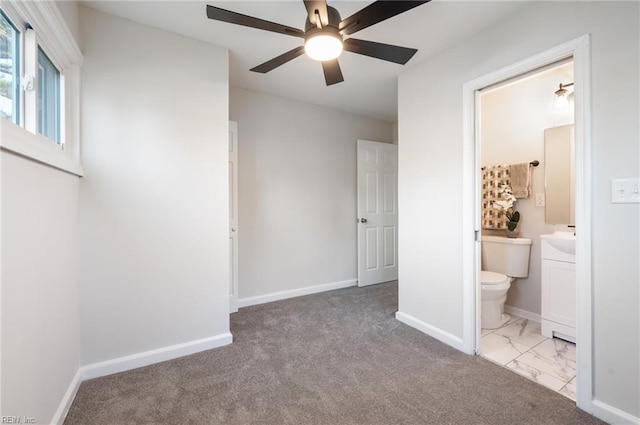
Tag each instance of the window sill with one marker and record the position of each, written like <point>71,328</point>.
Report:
<point>17,140</point>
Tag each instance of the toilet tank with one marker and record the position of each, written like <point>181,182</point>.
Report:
<point>509,256</point>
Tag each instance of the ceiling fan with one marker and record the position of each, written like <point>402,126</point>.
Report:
<point>324,32</point>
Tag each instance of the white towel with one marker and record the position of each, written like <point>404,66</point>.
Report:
<point>520,179</point>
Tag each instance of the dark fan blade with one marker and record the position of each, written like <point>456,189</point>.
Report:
<point>223,15</point>
<point>321,7</point>
<point>332,72</point>
<point>386,52</point>
<point>280,60</point>
<point>374,13</point>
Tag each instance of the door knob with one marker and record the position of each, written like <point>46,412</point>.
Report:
<point>233,229</point>
<point>363,220</point>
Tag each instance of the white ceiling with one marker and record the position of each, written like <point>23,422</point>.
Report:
<point>370,86</point>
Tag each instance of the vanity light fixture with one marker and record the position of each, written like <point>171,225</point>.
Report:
<point>562,97</point>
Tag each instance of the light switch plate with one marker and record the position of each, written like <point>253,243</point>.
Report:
<point>540,202</point>
<point>625,191</point>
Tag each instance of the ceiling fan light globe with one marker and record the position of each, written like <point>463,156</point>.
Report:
<point>323,47</point>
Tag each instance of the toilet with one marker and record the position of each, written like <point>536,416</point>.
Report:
<point>503,260</point>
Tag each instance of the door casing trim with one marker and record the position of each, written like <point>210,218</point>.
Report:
<point>580,50</point>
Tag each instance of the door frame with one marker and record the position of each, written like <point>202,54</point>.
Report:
<point>233,224</point>
<point>580,50</point>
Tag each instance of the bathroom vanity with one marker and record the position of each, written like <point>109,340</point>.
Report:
<point>558,316</point>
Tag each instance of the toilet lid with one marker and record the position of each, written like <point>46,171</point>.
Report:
<point>492,278</point>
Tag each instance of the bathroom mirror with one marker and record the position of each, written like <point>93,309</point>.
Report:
<point>559,175</point>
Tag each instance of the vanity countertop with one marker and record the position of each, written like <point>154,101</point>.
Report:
<point>560,246</point>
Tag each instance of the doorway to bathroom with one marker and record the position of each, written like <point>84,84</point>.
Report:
<point>506,115</point>
<point>520,201</point>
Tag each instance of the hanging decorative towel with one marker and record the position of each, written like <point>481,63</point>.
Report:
<point>492,177</point>
<point>520,179</point>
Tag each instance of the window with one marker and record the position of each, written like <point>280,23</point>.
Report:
<point>9,70</point>
<point>39,85</point>
<point>48,98</point>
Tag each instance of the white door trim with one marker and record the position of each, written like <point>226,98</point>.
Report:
<point>233,222</point>
<point>579,49</point>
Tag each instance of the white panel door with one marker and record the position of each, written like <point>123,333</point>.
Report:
<point>233,216</point>
<point>377,212</point>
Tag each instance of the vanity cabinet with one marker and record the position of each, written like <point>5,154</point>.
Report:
<point>558,316</point>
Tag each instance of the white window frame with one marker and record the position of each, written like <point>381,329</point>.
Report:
<point>34,43</point>
<point>37,22</point>
<point>17,23</point>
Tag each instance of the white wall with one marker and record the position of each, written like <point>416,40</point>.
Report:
<point>71,14</point>
<point>513,121</point>
<point>40,317</point>
<point>153,217</point>
<point>297,191</point>
<point>430,179</point>
<point>39,286</point>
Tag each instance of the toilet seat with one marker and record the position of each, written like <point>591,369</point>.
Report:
<point>494,281</point>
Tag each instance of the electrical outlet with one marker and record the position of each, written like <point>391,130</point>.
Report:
<point>625,191</point>
<point>540,201</point>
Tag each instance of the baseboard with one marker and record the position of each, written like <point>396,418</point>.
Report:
<point>147,358</point>
<point>69,396</point>
<point>612,414</point>
<point>283,295</point>
<point>432,331</point>
<point>522,313</point>
<point>134,361</point>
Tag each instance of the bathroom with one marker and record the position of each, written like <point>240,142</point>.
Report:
<point>518,118</point>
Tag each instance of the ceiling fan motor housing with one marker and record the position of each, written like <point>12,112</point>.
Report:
<point>311,29</point>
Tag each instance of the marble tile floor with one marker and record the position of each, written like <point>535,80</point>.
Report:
<point>519,346</point>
